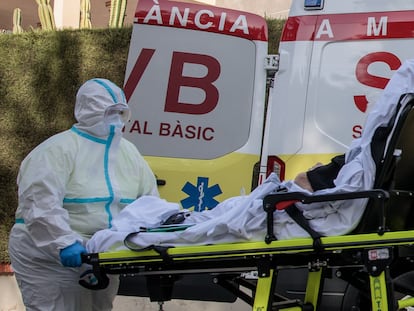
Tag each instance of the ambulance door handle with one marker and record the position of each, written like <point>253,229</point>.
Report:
<point>161,182</point>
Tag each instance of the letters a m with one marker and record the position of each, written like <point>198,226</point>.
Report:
<point>377,29</point>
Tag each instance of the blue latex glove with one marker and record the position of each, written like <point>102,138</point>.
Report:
<point>71,256</point>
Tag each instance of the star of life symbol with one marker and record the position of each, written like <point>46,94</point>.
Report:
<point>200,196</point>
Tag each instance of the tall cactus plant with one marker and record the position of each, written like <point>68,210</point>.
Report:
<point>117,13</point>
<point>85,16</point>
<point>46,15</point>
<point>17,21</point>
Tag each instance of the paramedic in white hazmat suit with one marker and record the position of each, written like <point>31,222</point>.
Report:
<point>71,186</point>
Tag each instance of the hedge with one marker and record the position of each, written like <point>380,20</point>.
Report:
<point>40,73</point>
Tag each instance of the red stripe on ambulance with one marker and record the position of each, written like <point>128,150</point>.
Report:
<point>201,18</point>
<point>355,26</point>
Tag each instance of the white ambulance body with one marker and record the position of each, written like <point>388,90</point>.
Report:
<point>196,81</point>
<point>335,58</point>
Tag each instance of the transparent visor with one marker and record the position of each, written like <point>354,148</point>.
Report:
<point>118,113</point>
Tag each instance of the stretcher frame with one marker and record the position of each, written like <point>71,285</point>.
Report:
<point>367,260</point>
<point>354,251</point>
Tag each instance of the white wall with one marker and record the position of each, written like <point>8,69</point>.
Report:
<point>62,18</point>
<point>268,8</point>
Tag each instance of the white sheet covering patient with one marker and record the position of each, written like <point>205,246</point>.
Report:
<point>242,218</point>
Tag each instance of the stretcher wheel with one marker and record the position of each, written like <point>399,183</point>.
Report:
<point>359,300</point>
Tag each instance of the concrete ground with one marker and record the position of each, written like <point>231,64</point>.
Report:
<point>143,304</point>
<point>11,300</point>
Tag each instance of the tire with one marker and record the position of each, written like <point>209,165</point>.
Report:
<point>356,300</point>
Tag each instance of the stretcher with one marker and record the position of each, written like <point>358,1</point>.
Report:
<point>377,258</point>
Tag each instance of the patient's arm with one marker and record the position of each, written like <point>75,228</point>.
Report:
<point>302,181</point>
<point>320,176</point>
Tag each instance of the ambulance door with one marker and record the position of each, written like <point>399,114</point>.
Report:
<point>354,56</point>
<point>335,59</point>
<point>195,82</point>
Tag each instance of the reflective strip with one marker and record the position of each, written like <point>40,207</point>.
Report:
<point>95,200</point>
<point>127,201</point>
<point>109,89</point>
<point>87,136</point>
<point>107,178</point>
<point>85,200</point>
<point>19,221</point>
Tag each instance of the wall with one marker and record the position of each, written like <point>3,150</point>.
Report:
<point>62,19</point>
<point>268,8</point>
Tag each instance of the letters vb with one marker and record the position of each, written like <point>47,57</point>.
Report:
<point>177,80</point>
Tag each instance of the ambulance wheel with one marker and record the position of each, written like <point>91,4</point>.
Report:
<point>404,286</point>
<point>357,300</point>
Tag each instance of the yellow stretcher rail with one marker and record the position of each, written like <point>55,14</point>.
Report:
<point>376,252</point>
<point>254,249</point>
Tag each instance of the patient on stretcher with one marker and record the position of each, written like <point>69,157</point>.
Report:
<point>242,218</point>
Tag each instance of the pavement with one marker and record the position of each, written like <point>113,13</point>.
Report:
<point>11,300</point>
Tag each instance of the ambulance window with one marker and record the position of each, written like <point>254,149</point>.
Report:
<point>313,4</point>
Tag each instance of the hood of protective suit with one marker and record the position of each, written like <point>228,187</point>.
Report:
<point>92,100</point>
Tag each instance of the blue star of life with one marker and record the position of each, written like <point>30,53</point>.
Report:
<point>200,196</point>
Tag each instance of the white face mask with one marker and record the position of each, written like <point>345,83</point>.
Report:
<point>116,120</point>
<point>117,115</point>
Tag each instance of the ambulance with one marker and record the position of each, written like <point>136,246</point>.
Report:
<point>214,114</point>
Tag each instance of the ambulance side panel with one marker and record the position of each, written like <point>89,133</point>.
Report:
<point>195,82</point>
<point>334,63</point>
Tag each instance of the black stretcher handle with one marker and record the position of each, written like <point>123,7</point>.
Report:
<point>99,273</point>
<point>270,201</point>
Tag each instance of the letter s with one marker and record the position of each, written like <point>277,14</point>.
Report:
<point>364,77</point>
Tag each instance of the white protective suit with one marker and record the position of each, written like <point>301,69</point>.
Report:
<point>242,218</point>
<point>69,187</point>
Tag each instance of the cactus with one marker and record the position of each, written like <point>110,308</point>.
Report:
<point>117,13</point>
<point>85,17</point>
<point>17,21</point>
<point>46,15</point>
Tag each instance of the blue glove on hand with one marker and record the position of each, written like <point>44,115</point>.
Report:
<point>71,256</point>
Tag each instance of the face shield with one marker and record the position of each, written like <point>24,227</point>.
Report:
<point>117,115</point>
